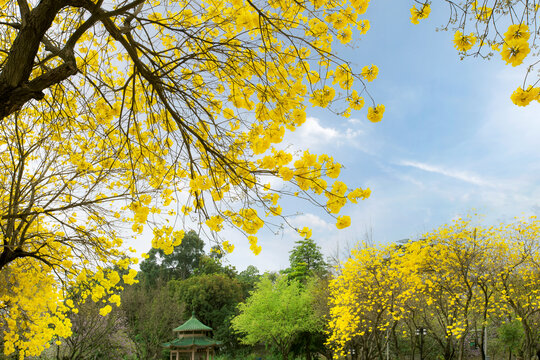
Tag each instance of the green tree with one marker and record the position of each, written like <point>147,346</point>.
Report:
<point>209,264</point>
<point>180,264</point>
<point>510,337</point>
<point>248,278</point>
<point>306,265</point>
<point>151,315</point>
<point>275,313</point>
<point>306,260</point>
<point>213,298</point>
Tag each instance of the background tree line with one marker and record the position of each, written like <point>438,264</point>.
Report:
<point>473,289</point>
<point>171,287</point>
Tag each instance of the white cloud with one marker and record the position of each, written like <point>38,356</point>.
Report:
<point>314,136</point>
<point>312,221</point>
<point>453,173</point>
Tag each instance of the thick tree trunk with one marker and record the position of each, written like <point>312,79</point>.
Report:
<point>15,87</point>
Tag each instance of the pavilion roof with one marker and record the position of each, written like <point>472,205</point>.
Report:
<point>190,341</point>
<point>193,324</point>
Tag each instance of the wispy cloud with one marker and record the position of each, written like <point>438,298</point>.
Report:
<point>453,173</point>
<point>312,221</point>
<point>314,135</point>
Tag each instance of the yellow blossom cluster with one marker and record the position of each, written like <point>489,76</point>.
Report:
<point>169,111</point>
<point>452,278</point>
<point>505,27</point>
<point>483,13</point>
<point>421,13</point>
<point>464,42</point>
<point>522,97</point>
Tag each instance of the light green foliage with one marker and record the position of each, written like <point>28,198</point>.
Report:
<point>275,313</point>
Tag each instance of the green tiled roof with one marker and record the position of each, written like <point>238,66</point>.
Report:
<point>193,325</point>
<point>190,341</point>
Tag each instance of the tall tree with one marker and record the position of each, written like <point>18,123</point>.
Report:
<point>180,264</point>
<point>151,314</point>
<point>213,298</point>
<point>119,116</point>
<point>306,260</point>
<point>275,314</point>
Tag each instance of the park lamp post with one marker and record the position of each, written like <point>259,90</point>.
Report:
<point>421,331</point>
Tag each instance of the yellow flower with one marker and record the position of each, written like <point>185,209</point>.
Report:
<point>483,13</point>
<point>375,114</point>
<point>228,247</point>
<point>514,52</point>
<point>322,97</point>
<point>370,72</point>
<point>517,32</point>
<point>363,26</point>
<point>305,233</point>
<point>418,14</point>
<point>358,193</point>
<point>343,222</point>
<point>105,310</point>
<point>345,35</point>
<point>333,170</point>
<point>522,97</point>
<point>355,102</point>
<point>464,42</point>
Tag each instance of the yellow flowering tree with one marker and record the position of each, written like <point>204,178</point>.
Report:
<point>124,117</point>
<point>485,28</point>
<point>455,281</point>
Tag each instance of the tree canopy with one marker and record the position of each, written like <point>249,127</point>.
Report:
<point>456,280</point>
<point>275,314</point>
<point>106,133</point>
<point>305,260</point>
<point>179,264</point>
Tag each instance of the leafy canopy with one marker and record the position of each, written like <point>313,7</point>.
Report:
<point>120,117</point>
<point>453,278</point>
<point>275,313</point>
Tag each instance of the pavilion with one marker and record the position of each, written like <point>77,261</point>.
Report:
<point>193,342</point>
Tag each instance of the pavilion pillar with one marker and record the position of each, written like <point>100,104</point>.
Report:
<point>193,354</point>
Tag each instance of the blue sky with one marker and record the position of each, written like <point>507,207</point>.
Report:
<point>451,141</point>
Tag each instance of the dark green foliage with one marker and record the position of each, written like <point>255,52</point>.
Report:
<point>179,265</point>
<point>151,314</point>
<point>306,260</point>
<point>248,278</point>
<point>510,336</point>
<point>214,298</point>
<point>212,265</point>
